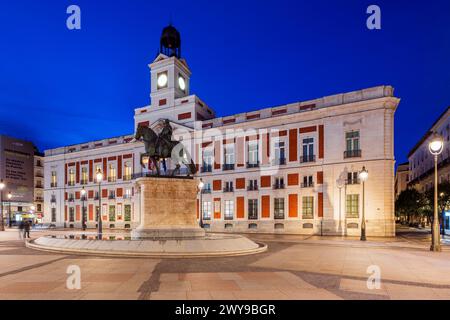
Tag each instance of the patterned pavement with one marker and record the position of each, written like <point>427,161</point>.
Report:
<point>294,267</point>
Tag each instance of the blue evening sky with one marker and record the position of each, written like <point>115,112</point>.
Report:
<point>60,87</point>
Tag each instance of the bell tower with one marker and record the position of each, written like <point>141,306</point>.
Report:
<point>170,74</point>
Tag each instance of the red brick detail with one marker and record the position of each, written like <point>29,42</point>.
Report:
<point>91,212</point>
<point>265,206</point>
<point>90,194</point>
<point>308,107</point>
<point>77,213</point>
<point>240,203</point>
<point>119,192</point>
<point>104,193</point>
<point>77,195</point>
<point>253,137</point>
<point>207,125</point>
<point>105,168</point>
<point>217,154</point>
<point>97,160</point>
<point>293,205</point>
<point>265,181</point>
<point>112,158</point>
<point>228,121</point>
<point>183,116</point>
<point>293,145</point>
<point>162,102</point>
<point>217,185</point>
<point>127,156</point>
<point>321,142</point>
<point>293,179</point>
<point>253,116</point>
<point>119,167</point>
<point>320,204</point>
<point>216,213</point>
<point>278,112</point>
<point>308,129</point>
<point>65,174</point>
<point>240,183</point>
<point>319,177</point>
<point>65,213</point>
<point>240,151</point>
<point>66,196</point>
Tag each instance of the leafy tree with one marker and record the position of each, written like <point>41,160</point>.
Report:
<point>409,204</point>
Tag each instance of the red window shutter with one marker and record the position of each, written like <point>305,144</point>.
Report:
<point>293,205</point>
<point>293,145</point>
<point>240,207</point>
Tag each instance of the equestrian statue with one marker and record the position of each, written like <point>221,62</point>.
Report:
<point>161,147</point>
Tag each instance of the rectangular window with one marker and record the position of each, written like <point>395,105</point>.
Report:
<point>352,140</point>
<point>112,173</point>
<point>279,183</point>
<point>352,178</point>
<point>71,214</point>
<point>112,194</point>
<point>112,213</point>
<point>278,208</point>
<point>308,182</point>
<point>308,150</point>
<point>98,168</point>
<point>253,209</point>
<point>127,209</point>
<point>308,207</point>
<point>119,211</point>
<point>84,175</point>
<point>229,210</point>
<point>252,184</point>
<point>54,180</point>
<point>71,177</point>
<point>352,205</point>
<point>229,154</point>
<point>228,186</point>
<point>127,171</point>
<point>207,210</point>
<point>53,214</point>
<point>280,157</point>
<point>252,153</point>
<point>127,194</point>
<point>207,160</point>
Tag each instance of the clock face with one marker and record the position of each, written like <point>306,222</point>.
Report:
<point>181,83</point>
<point>162,80</point>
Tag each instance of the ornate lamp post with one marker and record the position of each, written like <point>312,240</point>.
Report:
<point>83,215</point>
<point>2,223</point>
<point>9,209</point>
<point>200,188</point>
<point>99,177</point>
<point>363,176</point>
<point>436,146</point>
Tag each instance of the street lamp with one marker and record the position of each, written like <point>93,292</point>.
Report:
<point>436,146</point>
<point>99,177</point>
<point>2,223</point>
<point>83,216</point>
<point>9,210</point>
<point>200,188</point>
<point>363,176</point>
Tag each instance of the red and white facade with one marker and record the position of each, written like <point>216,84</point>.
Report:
<point>286,169</point>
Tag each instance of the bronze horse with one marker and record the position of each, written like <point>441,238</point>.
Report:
<point>157,149</point>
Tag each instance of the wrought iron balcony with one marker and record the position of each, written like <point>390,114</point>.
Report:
<point>228,189</point>
<point>83,181</point>
<point>71,183</point>
<point>307,184</point>
<point>352,154</point>
<point>112,196</point>
<point>206,168</point>
<point>127,177</point>
<point>278,186</point>
<point>112,179</point>
<point>253,164</point>
<point>307,158</point>
<point>71,199</point>
<point>206,191</point>
<point>228,166</point>
<point>279,162</point>
<point>352,181</point>
<point>252,187</point>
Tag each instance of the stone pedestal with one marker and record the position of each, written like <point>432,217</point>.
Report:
<point>168,208</point>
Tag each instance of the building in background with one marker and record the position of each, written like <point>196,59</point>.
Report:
<point>401,178</point>
<point>17,163</point>
<point>38,208</point>
<point>421,162</point>
<point>287,169</point>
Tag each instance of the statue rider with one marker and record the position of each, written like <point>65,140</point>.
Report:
<point>164,141</point>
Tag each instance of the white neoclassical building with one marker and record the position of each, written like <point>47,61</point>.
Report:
<point>286,169</point>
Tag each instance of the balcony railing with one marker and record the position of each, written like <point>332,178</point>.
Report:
<point>83,181</point>
<point>206,168</point>
<point>112,179</point>
<point>307,184</point>
<point>308,158</point>
<point>278,186</point>
<point>127,196</point>
<point>253,164</point>
<point>352,181</point>
<point>112,196</point>
<point>127,177</point>
<point>279,162</point>
<point>252,188</point>
<point>228,166</point>
<point>53,185</point>
<point>352,154</point>
<point>71,199</point>
<point>206,191</point>
<point>228,189</point>
<point>71,183</point>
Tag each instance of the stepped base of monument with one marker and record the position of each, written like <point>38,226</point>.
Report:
<point>211,245</point>
<point>168,233</point>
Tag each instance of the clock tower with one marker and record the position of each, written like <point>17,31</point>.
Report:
<point>169,72</point>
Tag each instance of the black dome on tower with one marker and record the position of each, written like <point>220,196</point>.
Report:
<point>170,42</point>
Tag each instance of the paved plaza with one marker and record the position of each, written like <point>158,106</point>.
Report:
<point>294,267</point>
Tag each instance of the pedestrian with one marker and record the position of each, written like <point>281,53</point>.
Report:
<point>21,227</point>
<point>27,227</point>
